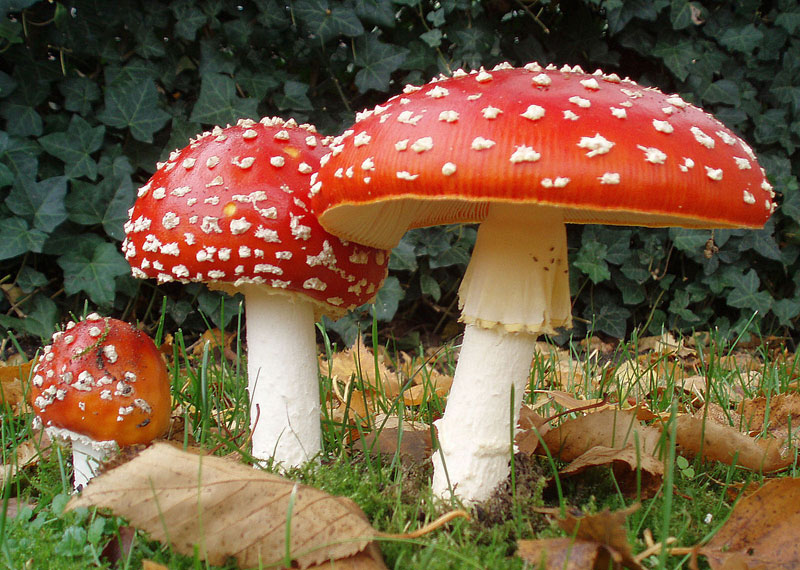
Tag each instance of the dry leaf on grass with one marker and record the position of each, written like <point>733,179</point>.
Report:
<point>637,474</point>
<point>12,395</point>
<point>150,565</point>
<point>726,444</point>
<point>227,509</point>
<point>360,362</point>
<point>595,541</point>
<point>407,439</point>
<point>781,412</point>
<point>26,454</point>
<point>761,531</point>
<point>607,428</point>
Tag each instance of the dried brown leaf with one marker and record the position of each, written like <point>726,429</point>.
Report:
<point>228,510</point>
<point>637,474</point>
<point>150,565</point>
<point>595,543</point>
<point>780,413</point>
<point>411,440</point>
<point>698,436</point>
<point>26,454</point>
<point>607,428</point>
<point>761,531</point>
<point>360,362</point>
<point>12,394</point>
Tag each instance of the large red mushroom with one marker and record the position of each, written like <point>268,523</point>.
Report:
<point>100,384</point>
<point>524,152</point>
<point>231,210</point>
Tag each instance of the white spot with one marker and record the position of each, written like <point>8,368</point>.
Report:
<point>243,163</point>
<point>368,164</point>
<point>305,168</point>
<point>590,84</point>
<point>437,92</point>
<point>668,110</point>
<point>239,226</point>
<point>267,268</point>
<point>282,135</point>
<point>141,224</point>
<point>542,80</point>
<point>189,163</point>
<point>525,154</point>
<point>181,191</point>
<point>408,118</point>
<point>714,173</point>
<point>216,182</point>
<point>533,112</point>
<point>151,243</point>
<point>490,112</point>
<point>742,163</point>
<point>749,198</point>
<point>268,235</point>
<point>687,164</point>
<point>359,257</point>
<point>159,193</point>
<point>170,249</point>
<point>299,231</point>
<point>283,255</point>
<point>663,126</point>
<point>224,254</point>
<point>597,145</point>
<point>558,182</point>
<point>361,139</point>
<point>448,116</point>
<point>422,145</point>
<point>448,169</point>
<point>277,161</point>
<point>401,145</point>
<point>652,154</point>
<point>619,112</point>
<point>314,283</point>
<point>405,175</point>
<point>212,161</point>
<point>483,76</point>
<point>474,97</point>
<point>210,224</point>
<point>180,271</point>
<point>580,102</point>
<point>609,178</point>
<point>726,138</point>
<point>244,251</point>
<point>325,257</point>
<point>677,101</point>
<point>480,143</point>
<point>702,137</point>
<point>311,141</point>
<point>570,116</point>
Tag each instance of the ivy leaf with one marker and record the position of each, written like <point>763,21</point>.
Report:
<point>745,294</point>
<point>607,316</point>
<point>786,310</point>
<point>432,37</point>
<point>134,105</point>
<point>722,91</point>
<point>39,202</point>
<point>74,147</point>
<point>789,20</point>
<point>41,317</point>
<point>387,299</point>
<point>744,39</point>
<point>327,22</point>
<point>93,272</point>
<point>103,204</point>
<point>403,256</point>
<point>429,286</point>
<point>684,14</point>
<point>188,19</point>
<point>294,97</point>
<point>379,12</point>
<point>16,238</point>
<point>377,61</point>
<point>591,261</point>
<point>218,103</point>
<point>79,94</point>
<point>678,56</point>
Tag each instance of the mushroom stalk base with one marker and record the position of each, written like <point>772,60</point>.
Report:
<point>87,457</point>
<point>515,288</point>
<point>283,378</point>
<point>475,433</point>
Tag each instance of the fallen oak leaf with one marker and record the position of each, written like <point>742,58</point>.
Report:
<point>229,509</point>
<point>726,444</point>
<point>636,474</point>
<point>761,531</point>
<point>12,394</point>
<point>595,542</point>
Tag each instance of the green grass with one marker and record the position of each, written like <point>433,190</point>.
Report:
<point>394,492</point>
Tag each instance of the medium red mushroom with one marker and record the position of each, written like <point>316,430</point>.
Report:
<point>101,383</point>
<point>231,210</point>
<point>524,152</point>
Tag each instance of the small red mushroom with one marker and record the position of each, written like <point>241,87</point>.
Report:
<point>524,152</point>
<point>231,210</point>
<point>101,383</point>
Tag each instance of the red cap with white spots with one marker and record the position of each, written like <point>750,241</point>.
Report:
<point>231,208</point>
<point>104,380</point>
<point>600,148</point>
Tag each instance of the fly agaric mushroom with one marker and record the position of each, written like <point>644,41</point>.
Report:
<point>524,152</point>
<point>101,383</point>
<point>230,210</point>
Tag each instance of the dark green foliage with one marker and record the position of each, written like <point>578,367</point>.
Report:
<point>94,93</point>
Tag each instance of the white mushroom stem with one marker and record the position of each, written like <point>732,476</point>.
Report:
<point>282,377</point>
<point>515,288</point>
<point>87,456</point>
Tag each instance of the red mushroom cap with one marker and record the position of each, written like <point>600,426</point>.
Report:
<point>103,379</point>
<point>602,148</point>
<point>231,208</point>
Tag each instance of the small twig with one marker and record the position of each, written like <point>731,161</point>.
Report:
<point>655,548</point>
<point>430,527</point>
